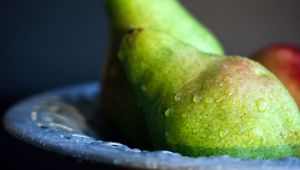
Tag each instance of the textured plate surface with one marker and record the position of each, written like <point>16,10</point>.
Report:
<point>64,120</point>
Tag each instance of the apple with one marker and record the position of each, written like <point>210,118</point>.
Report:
<point>284,61</point>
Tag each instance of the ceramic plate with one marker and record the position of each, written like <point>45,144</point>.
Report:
<point>68,121</point>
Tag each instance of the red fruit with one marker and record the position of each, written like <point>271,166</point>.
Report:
<point>284,61</point>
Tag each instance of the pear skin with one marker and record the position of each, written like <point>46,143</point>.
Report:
<point>201,105</point>
<point>166,16</point>
<point>118,101</point>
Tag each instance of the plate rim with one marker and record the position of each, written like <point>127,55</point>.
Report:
<point>17,123</point>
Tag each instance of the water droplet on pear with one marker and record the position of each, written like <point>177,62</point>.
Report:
<point>208,100</point>
<point>168,112</point>
<point>224,132</point>
<point>177,97</point>
<point>261,105</point>
<point>196,98</point>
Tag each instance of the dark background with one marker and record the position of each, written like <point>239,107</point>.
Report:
<point>52,43</point>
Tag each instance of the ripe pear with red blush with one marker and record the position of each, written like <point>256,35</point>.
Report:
<point>284,61</point>
<point>201,104</point>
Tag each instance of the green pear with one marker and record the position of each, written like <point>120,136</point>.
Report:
<point>118,101</point>
<point>199,104</point>
<point>167,16</point>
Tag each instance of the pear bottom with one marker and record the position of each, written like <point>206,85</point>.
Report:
<point>275,152</point>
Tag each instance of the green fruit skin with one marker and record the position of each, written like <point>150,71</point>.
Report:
<point>198,104</point>
<point>118,101</point>
<point>167,16</point>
